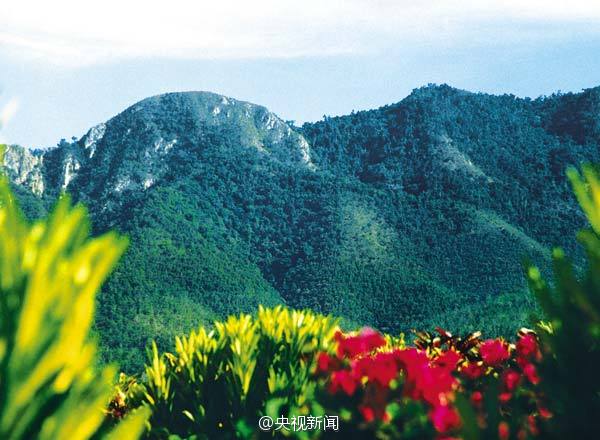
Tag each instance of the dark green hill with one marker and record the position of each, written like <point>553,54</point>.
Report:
<point>409,215</point>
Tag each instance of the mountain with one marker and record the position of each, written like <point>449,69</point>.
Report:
<point>410,215</point>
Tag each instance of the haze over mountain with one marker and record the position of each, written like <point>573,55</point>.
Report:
<point>407,215</point>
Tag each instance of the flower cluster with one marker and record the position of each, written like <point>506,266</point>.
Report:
<point>511,371</point>
<point>374,377</point>
<point>365,369</point>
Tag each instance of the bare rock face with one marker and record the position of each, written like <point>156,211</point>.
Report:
<point>25,168</point>
<point>91,138</point>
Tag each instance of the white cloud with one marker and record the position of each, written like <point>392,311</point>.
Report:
<point>75,32</point>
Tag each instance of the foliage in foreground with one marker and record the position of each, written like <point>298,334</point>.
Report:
<point>50,273</point>
<point>375,385</point>
<point>572,338</point>
<point>218,383</point>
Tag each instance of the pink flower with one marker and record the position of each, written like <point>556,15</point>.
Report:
<point>363,343</point>
<point>494,352</point>
<point>530,373</point>
<point>527,345</point>
<point>511,379</point>
<point>444,418</point>
<point>448,360</point>
<point>342,380</point>
<point>472,370</point>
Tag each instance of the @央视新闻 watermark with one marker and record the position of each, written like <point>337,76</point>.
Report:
<point>299,423</point>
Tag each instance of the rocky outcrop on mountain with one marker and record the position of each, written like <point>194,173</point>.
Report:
<point>25,168</point>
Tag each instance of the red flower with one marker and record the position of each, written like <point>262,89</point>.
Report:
<point>367,412</point>
<point>363,343</point>
<point>527,345</point>
<point>374,403</point>
<point>435,384</point>
<point>412,362</point>
<point>511,379</point>
<point>494,352</point>
<point>411,359</point>
<point>476,398</point>
<point>504,397</point>
<point>382,368</point>
<point>326,363</point>
<point>448,359</point>
<point>522,362</point>
<point>530,373</point>
<point>503,431</point>
<point>533,428</point>
<point>545,413</point>
<point>424,381</point>
<point>472,370</point>
<point>342,380</point>
<point>374,410</point>
<point>444,418</point>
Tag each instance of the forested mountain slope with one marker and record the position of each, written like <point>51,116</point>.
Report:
<point>412,214</point>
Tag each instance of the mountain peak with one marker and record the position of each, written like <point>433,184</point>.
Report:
<point>199,98</point>
<point>138,147</point>
<point>185,118</point>
<point>438,90</point>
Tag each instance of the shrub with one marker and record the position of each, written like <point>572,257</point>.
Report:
<point>297,364</point>
<point>388,392</point>
<point>217,384</point>
<point>571,336</point>
<point>50,273</point>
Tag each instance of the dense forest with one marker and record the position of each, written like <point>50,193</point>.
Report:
<point>410,215</point>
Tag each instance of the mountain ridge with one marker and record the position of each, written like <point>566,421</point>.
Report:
<point>397,217</point>
<point>27,158</point>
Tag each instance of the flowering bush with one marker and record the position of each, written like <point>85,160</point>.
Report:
<point>418,392</point>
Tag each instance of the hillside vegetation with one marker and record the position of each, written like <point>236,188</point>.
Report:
<point>411,215</point>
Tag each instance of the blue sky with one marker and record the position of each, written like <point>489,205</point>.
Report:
<point>67,68</point>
